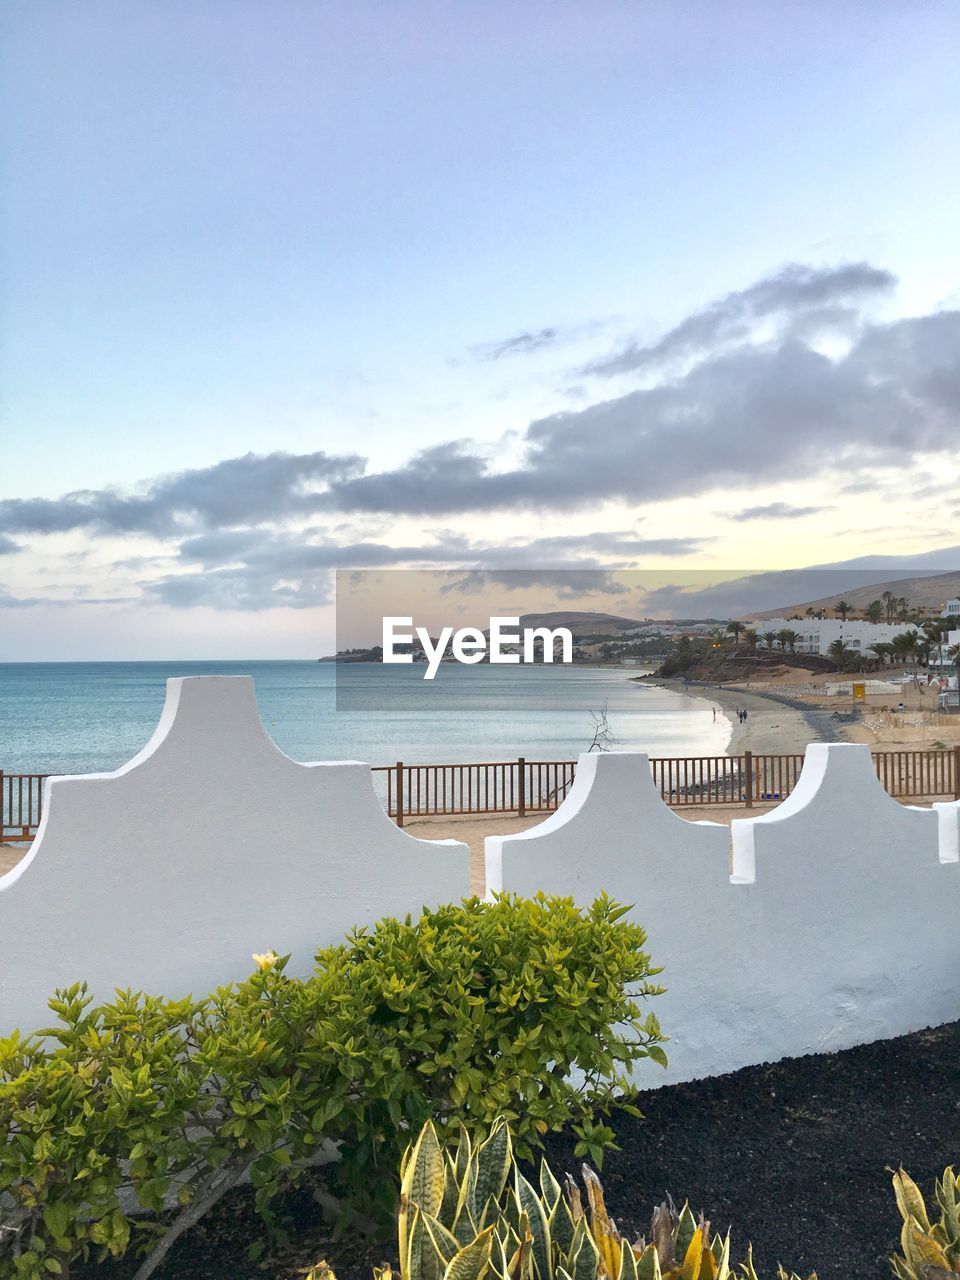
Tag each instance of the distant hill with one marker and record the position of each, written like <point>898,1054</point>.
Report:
<point>928,593</point>
<point>583,624</point>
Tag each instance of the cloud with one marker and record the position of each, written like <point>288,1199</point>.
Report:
<point>810,296</point>
<point>245,490</point>
<point>776,511</point>
<point>521,344</point>
<point>8,546</point>
<point>751,407</point>
<point>760,414</point>
<point>252,571</point>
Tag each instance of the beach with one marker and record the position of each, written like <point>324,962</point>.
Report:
<point>793,707</point>
<point>775,724</point>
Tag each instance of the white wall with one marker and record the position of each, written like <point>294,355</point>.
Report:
<point>830,921</point>
<point>815,635</point>
<point>837,926</point>
<point>206,847</point>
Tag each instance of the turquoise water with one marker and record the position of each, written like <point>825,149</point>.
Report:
<point>81,717</point>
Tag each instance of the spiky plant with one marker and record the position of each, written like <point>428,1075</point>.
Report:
<point>930,1250</point>
<point>472,1215</point>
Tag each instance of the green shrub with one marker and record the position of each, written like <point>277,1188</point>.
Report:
<point>464,1013</point>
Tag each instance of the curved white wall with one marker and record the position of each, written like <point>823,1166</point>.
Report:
<point>206,847</point>
<point>838,924</point>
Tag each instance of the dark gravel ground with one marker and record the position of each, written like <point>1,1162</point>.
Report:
<point>792,1156</point>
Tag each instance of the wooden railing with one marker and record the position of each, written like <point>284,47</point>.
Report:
<point>21,805</point>
<point>524,786</point>
<point>535,786</point>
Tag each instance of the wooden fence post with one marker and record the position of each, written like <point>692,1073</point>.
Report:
<point>956,773</point>
<point>522,787</point>
<point>399,793</point>
<point>748,779</point>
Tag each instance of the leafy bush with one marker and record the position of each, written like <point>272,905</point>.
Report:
<point>471,1213</point>
<point>466,1012</point>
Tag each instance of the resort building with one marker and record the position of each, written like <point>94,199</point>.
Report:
<point>950,609</point>
<point>816,635</point>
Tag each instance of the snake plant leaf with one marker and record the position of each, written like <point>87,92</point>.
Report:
<point>628,1264</point>
<point>663,1229</point>
<point>686,1229</point>
<point>420,1260</point>
<point>922,1250</point>
<point>473,1261</point>
<point>445,1243</point>
<point>493,1159</point>
<point>463,1155</point>
<point>690,1267</point>
<point>424,1176</point>
<point>605,1233</point>
<point>561,1227</point>
<point>648,1264</point>
<point>909,1200</point>
<point>722,1256</point>
<point>584,1257</point>
<point>532,1206</point>
<point>549,1187</point>
<point>465,1228</point>
<point>520,1266</point>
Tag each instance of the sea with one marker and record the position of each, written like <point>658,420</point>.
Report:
<point>90,717</point>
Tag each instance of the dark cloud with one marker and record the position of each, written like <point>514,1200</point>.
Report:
<point>10,601</point>
<point>248,490</point>
<point>809,297</point>
<point>568,584</point>
<point>8,546</point>
<point>759,414</point>
<point>776,511</point>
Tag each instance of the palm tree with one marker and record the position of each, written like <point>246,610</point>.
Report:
<point>889,605</point>
<point>769,636</point>
<point>837,653</point>
<point>882,650</point>
<point>751,637</point>
<point>905,645</point>
<point>843,607</point>
<point>903,609</point>
<point>874,611</point>
<point>735,628</point>
<point>954,653</point>
<point>787,638</point>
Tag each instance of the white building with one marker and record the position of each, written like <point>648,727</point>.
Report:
<point>950,609</point>
<point>940,657</point>
<point>816,635</point>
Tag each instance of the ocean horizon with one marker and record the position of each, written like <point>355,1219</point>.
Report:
<point>90,717</point>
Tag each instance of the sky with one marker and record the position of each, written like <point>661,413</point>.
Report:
<point>288,287</point>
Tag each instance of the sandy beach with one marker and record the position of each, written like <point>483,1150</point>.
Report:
<point>775,725</point>
<point>793,707</point>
